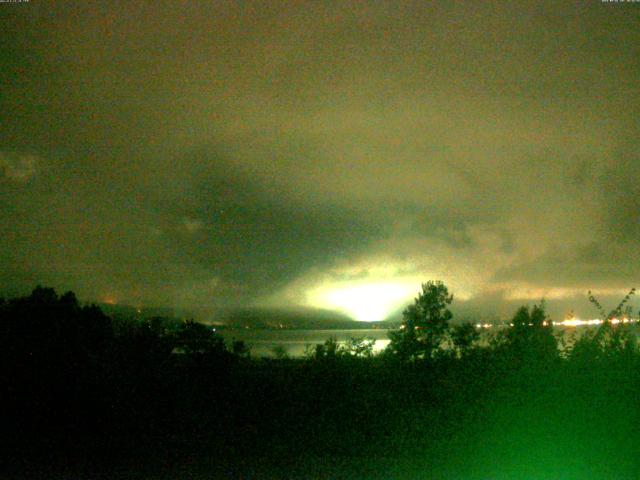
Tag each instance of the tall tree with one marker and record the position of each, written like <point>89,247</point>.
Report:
<point>424,323</point>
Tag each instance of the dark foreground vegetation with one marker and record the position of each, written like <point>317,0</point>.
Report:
<point>86,397</point>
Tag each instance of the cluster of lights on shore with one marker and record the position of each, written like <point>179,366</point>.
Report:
<point>569,322</point>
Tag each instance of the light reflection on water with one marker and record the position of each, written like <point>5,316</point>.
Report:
<point>297,342</point>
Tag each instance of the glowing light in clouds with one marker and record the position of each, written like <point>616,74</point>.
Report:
<point>368,302</point>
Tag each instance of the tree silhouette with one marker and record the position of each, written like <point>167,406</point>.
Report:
<point>326,351</point>
<point>463,338</point>
<point>617,311</point>
<point>530,337</point>
<point>54,356</point>
<point>196,338</point>
<point>424,323</point>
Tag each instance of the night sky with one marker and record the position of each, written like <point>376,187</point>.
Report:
<point>323,154</point>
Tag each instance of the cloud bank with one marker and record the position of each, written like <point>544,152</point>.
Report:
<point>226,154</point>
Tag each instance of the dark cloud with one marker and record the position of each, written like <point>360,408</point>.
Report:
<point>226,153</point>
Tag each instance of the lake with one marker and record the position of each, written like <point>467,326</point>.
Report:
<point>295,342</point>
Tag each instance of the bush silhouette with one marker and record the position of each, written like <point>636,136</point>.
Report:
<point>196,338</point>
<point>530,338</point>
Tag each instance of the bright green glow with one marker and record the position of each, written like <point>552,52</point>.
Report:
<point>368,302</point>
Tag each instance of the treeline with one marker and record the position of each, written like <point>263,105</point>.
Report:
<point>82,389</point>
<point>426,334</point>
<point>73,379</point>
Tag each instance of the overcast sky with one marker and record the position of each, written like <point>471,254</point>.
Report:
<point>282,153</point>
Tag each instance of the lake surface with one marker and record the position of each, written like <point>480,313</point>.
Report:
<point>295,342</point>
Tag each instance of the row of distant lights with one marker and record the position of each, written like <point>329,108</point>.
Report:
<point>571,322</point>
